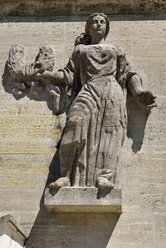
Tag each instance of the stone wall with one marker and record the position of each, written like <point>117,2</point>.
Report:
<point>80,7</point>
<point>30,132</point>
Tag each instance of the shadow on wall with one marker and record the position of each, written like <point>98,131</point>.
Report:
<point>72,230</point>
<point>136,123</point>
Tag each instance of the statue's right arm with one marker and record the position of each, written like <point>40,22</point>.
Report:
<point>49,77</point>
<point>64,76</point>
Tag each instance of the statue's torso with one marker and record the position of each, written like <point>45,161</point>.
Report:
<point>96,61</point>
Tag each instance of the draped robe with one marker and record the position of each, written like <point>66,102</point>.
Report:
<point>97,76</point>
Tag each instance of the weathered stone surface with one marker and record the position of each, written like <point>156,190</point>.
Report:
<point>29,133</point>
<point>80,7</point>
<point>12,234</point>
<point>160,227</point>
<point>74,199</point>
<point>72,230</point>
<point>133,230</point>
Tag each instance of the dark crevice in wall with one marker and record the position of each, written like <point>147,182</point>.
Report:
<point>7,19</point>
<point>80,7</point>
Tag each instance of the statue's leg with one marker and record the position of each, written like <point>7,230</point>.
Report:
<point>112,133</point>
<point>72,161</point>
<point>67,155</point>
<point>106,174</point>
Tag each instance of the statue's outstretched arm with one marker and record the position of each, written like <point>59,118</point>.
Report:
<point>49,77</point>
<point>143,97</point>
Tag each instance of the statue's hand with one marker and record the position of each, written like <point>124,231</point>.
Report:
<point>43,77</point>
<point>147,99</point>
<point>16,74</point>
<point>38,76</point>
<point>32,70</point>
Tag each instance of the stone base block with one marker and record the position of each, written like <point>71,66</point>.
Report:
<point>81,199</point>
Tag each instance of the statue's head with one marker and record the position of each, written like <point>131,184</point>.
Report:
<point>92,19</point>
<point>85,38</point>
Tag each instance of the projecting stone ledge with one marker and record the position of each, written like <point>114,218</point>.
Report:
<point>81,199</point>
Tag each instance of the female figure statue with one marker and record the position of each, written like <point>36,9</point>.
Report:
<point>98,76</point>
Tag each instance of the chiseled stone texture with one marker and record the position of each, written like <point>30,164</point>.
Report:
<point>29,133</point>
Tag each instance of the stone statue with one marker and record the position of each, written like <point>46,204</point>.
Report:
<point>95,83</point>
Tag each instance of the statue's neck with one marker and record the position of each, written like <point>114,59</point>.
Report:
<point>97,40</point>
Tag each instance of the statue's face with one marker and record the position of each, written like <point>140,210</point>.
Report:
<point>98,27</point>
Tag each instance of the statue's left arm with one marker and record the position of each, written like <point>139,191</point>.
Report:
<point>143,97</point>
<point>130,79</point>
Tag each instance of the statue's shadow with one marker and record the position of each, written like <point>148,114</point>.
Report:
<point>72,230</point>
<point>136,123</point>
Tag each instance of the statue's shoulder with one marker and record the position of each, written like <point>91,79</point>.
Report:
<point>79,47</point>
<point>120,51</point>
<point>116,48</point>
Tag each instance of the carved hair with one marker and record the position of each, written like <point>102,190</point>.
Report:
<point>85,38</point>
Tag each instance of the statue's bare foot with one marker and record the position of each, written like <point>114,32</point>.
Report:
<point>59,183</point>
<point>104,184</point>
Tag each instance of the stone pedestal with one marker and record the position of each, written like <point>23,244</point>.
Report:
<point>74,199</point>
